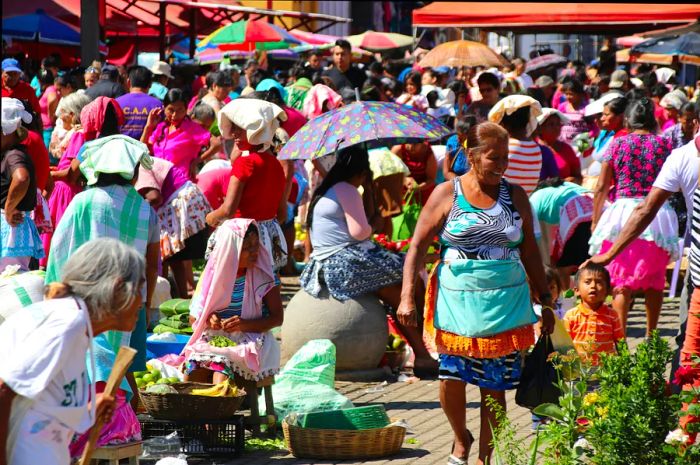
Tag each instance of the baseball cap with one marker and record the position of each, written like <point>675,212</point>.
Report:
<point>161,68</point>
<point>544,81</point>
<point>110,71</point>
<point>10,65</point>
<point>618,79</point>
<point>596,106</point>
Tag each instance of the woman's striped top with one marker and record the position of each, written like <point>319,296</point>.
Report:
<point>524,164</point>
<point>694,255</point>
<point>482,234</point>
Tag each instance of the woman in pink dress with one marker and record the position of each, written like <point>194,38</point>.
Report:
<point>100,118</point>
<point>574,108</point>
<point>177,138</point>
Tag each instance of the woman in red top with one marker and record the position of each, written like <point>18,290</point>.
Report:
<point>256,188</point>
<point>550,124</point>
<point>421,162</point>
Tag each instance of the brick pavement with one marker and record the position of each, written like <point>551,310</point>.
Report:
<point>418,404</point>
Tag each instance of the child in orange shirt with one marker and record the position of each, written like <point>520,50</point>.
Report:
<point>594,327</point>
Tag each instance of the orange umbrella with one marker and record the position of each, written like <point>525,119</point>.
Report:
<point>462,53</point>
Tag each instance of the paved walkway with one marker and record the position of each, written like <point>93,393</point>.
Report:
<point>418,404</point>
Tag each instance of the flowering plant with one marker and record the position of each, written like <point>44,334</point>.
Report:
<point>684,439</point>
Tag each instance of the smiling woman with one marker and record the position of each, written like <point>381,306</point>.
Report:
<point>478,307</point>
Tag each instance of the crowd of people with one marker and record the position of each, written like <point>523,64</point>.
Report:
<point>582,176</point>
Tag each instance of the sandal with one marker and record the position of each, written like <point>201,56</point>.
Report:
<point>453,459</point>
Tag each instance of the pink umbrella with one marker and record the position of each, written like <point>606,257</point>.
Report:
<point>312,38</point>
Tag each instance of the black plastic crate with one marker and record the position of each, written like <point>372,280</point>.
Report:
<point>200,437</point>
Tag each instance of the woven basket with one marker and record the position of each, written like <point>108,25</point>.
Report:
<point>184,406</point>
<point>338,444</point>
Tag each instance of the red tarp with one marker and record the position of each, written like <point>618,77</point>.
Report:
<point>550,17</point>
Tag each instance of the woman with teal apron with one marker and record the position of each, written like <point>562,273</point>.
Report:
<point>478,307</point>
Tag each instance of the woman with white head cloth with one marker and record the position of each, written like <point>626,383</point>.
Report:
<point>20,239</point>
<point>46,378</point>
<point>256,188</point>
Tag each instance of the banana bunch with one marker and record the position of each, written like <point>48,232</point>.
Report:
<point>224,389</point>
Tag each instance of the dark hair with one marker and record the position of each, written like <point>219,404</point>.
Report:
<point>220,79</point>
<point>537,94</point>
<point>464,124</point>
<point>649,80</point>
<point>376,68</point>
<point>110,124</point>
<point>46,77</point>
<point>485,130</point>
<point>351,161</point>
<point>617,106</point>
<point>488,79</point>
<point>36,124</point>
<point>595,269</point>
<point>431,72</point>
<point>689,107</point>
<point>414,77</point>
<point>51,61</point>
<point>173,96</point>
<point>201,111</point>
<point>658,90</point>
<point>458,87</point>
<point>69,79</point>
<point>635,94</point>
<point>252,230</point>
<point>257,77</point>
<point>517,120</point>
<point>344,44</point>
<point>140,76</point>
<point>432,98</point>
<point>554,181</point>
<point>574,86</point>
<point>300,71</point>
<point>372,89</point>
<point>551,275</point>
<point>640,115</point>
<point>111,179</point>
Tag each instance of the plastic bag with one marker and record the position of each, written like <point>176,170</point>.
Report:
<point>161,446</point>
<point>179,460</point>
<point>537,383</point>
<point>405,223</point>
<point>561,339</point>
<point>305,384</point>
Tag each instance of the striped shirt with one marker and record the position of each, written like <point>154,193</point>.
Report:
<point>524,164</point>
<point>593,332</point>
<point>694,255</point>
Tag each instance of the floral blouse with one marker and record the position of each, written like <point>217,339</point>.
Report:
<point>636,160</point>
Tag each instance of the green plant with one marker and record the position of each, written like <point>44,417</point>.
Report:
<point>507,448</point>
<point>563,435</point>
<point>634,411</point>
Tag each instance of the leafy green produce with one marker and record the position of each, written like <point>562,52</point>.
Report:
<point>221,341</point>
<point>161,389</point>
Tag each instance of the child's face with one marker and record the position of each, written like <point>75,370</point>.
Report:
<point>592,288</point>
<point>249,251</point>
<point>554,290</point>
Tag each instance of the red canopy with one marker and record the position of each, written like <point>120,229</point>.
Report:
<point>550,17</point>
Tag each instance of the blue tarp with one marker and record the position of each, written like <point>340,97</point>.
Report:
<point>39,26</point>
<point>686,44</point>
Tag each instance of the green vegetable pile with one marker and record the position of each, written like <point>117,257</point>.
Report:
<point>221,341</point>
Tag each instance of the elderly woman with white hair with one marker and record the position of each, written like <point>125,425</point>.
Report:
<point>19,238</point>
<point>47,390</point>
<point>257,185</point>
<point>68,111</point>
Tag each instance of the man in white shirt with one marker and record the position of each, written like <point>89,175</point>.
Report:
<point>679,173</point>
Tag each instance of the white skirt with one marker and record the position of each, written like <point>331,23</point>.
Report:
<point>663,230</point>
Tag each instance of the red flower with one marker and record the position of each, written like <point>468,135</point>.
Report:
<point>686,375</point>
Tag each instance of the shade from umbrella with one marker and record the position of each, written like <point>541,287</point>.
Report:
<point>249,35</point>
<point>41,27</point>
<point>685,47</point>
<point>462,53</point>
<point>373,123</point>
<point>379,41</point>
<point>543,61</point>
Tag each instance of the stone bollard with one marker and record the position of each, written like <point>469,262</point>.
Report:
<point>357,327</point>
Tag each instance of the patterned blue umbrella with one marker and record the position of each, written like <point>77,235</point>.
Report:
<point>374,124</point>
